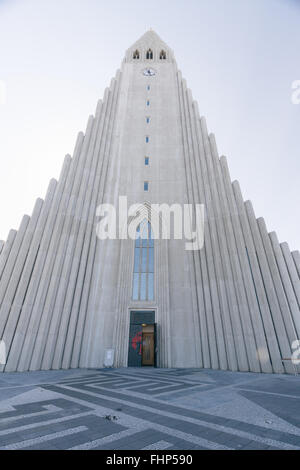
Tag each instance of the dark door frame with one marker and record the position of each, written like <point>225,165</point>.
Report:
<point>138,317</point>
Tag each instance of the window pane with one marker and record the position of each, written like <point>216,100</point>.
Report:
<point>135,291</point>
<point>151,235</point>
<point>136,260</point>
<point>146,160</point>
<point>144,259</point>
<point>144,234</point>
<point>138,237</point>
<point>143,286</point>
<point>151,260</point>
<point>150,286</point>
<point>146,186</point>
<point>143,276</point>
<point>149,230</point>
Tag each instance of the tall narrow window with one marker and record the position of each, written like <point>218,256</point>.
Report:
<point>143,272</point>
<point>148,87</point>
<point>146,185</point>
<point>162,55</point>
<point>149,54</point>
<point>136,55</point>
<point>147,119</point>
<point>146,161</point>
<point>147,139</point>
<point>148,103</point>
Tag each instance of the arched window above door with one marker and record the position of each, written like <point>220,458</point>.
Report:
<point>143,271</point>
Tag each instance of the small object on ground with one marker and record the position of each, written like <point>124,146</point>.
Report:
<point>110,417</point>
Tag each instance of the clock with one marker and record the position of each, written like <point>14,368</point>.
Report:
<point>149,72</point>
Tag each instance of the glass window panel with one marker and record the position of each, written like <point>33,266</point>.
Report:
<point>138,237</point>
<point>150,286</point>
<point>143,279</point>
<point>151,236</point>
<point>144,234</point>
<point>146,186</point>
<point>151,260</point>
<point>146,160</point>
<point>143,286</point>
<point>136,260</point>
<point>144,260</point>
<point>135,292</point>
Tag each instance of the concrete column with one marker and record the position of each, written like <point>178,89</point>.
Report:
<point>196,194</point>
<point>76,255</point>
<point>6,250</point>
<point>70,253</point>
<point>296,258</point>
<point>13,322</point>
<point>226,233</point>
<point>280,327</point>
<point>13,283</point>
<point>292,270</point>
<point>19,315</point>
<point>52,276</point>
<point>33,308</point>
<point>236,353</point>
<point>203,325</point>
<point>251,317</point>
<point>286,282</point>
<point>225,266</point>
<point>78,338</point>
<point>10,264</point>
<point>80,311</point>
<point>263,304</point>
<point>92,344</point>
<point>278,282</point>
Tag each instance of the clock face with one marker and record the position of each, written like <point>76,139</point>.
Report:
<point>149,72</point>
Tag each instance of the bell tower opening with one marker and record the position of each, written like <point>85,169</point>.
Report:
<point>149,54</point>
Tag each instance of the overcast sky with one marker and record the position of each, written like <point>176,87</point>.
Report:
<point>240,58</point>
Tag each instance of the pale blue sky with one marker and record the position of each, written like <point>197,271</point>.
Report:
<point>239,57</point>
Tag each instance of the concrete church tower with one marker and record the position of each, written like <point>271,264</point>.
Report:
<point>66,296</point>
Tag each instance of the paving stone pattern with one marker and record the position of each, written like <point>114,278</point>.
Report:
<point>150,409</point>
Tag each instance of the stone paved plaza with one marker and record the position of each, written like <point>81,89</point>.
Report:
<point>149,408</point>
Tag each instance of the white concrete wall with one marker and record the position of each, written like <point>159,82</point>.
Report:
<point>65,296</point>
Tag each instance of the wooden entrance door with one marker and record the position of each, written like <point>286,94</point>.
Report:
<point>148,349</point>
<point>142,339</point>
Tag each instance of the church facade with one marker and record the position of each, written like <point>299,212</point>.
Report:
<point>66,296</point>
